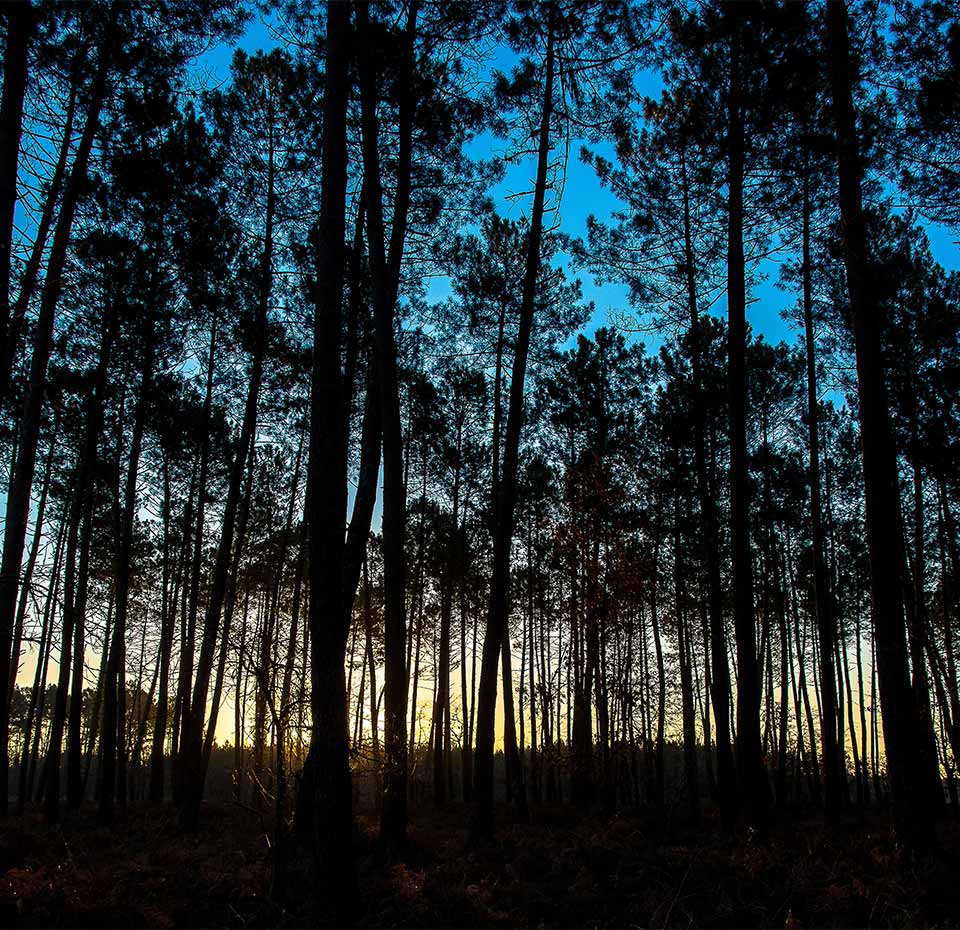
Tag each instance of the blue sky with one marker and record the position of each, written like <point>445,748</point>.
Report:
<point>583,196</point>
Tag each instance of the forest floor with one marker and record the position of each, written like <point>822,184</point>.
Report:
<point>559,870</point>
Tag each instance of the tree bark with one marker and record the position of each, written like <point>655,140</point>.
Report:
<point>19,18</point>
<point>749,757</point>
<point>911,810</point>
<point>385,271</point>
<point>328,768</point>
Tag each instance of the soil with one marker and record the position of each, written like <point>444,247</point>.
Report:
<point>558,870</point>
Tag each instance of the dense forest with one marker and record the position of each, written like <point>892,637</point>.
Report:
<point>377,540</point>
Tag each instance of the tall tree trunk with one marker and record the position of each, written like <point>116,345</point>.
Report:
<point>19,17</point>
<point>826,627</point>
<point>112,778</point>
<point>513,763</point>
<point>385,270</point>
<point>193,576</point>
<point>286,689</point>
<point>441,707</point>
<point>901,724</point>
<point>720,691</point>
<point>533,577</point>
<point>482,818</point>
<point>916,613</point>
<point>749,757</point>
<point>191,747</point>
<point>78,574</point>
<point>358,533</point>
<point>368,633</point>
<point>327,773</point>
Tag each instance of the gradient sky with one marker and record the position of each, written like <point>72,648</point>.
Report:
<point>583,196</point>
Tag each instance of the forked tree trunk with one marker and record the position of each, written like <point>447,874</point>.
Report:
<point>385,270</point>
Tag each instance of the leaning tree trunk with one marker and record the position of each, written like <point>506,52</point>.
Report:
<point>482,817</point>
<point>18,501</point>
<point>191,772</point>
<point>34,711</point>
<point>32,559</point>
<point>31,271</point>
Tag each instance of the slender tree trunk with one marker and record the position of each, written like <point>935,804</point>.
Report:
<point>286,689</point>
<point>229,609</point>
<point>688,711</point>
<point>720,690</point>
<point>826,627</point>
<point>749,756</point>
<point>511,751</point>
<point>368,632</point>
<point>864,779</point>
<point>32,560</point>
<point>78,575</point>
<point>659,760</point>
<point>18,501</point>
<point>533,573</point>
<point>482,818</point>
<point>167,614</point>
<point>441,707</point>
<point>358,533</point>
<point>34,711</point>
<point>916,613</point>
<point>112,744</point>
<point>191,747</point>
<point>785,667</point>
<point>196,568</point>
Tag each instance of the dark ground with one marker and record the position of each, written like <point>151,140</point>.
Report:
<point>558,871</point>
